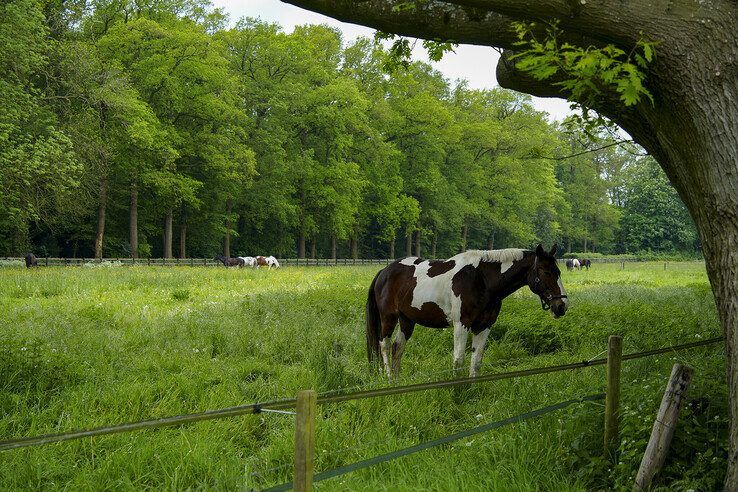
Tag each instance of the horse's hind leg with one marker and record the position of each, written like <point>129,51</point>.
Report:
<point>403,335</point>
<point>388,326</point>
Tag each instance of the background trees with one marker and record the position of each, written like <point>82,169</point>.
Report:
<point>154,130</point>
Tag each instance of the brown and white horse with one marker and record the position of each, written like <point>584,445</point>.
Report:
<point>465,291</point>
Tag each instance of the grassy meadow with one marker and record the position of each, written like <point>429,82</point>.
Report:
<point>87,346</point>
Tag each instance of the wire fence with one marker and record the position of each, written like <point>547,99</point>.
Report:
<point>342,470</point>
<point>307,262</point>
<point>334,396</point>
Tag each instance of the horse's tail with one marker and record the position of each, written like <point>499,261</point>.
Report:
<point>373,325</point>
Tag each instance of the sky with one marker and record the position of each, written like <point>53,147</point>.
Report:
<point>476,64</point>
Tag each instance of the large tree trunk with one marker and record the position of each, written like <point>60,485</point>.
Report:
<point>314,248</point>
<point>300,245</point>
<point>183,240</point>
<point>491,241</point>
<point>133,221</point>
<point>585,244</point>
<point>418,238</point>
<point>229,227</point>
<point>334,247</point>
<point>392,249</point>
<point>101,208</point>
<point>464,237</point>
<point>409,244</point>
<point>168,234</point>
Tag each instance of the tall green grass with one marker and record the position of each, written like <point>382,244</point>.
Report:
<point>87,347</point>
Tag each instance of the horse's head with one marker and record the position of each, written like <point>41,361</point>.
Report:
<point>544,279</point>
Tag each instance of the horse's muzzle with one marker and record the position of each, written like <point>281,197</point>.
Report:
<point>558,308</point>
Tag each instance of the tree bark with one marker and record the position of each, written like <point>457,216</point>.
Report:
<point>334,247</point>
<point>101,208</point>
<point>301,245</point>
<point>168,235</point>
<point>491,241</point>
<point>229,227</point>
<point>354,248</point>
<point>392,249</point>
<point>417,243</point>
<point>314,248</point>
<point>464,237</point>
<point>133,221</point>
<point>409,244</point>
<point>183,241</point>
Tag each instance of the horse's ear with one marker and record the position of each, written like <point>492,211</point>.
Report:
<point>539,251</point>
<point>553,250</point>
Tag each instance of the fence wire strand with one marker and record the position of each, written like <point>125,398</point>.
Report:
<point>326,398</point>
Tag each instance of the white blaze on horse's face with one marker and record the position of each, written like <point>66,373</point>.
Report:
<point>563,293</point>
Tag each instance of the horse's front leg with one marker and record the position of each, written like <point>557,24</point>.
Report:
<point>479,341</point>
<point>460,336</point>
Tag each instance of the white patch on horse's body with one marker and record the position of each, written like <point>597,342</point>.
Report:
<point>248,261</point>
<point>576,264</point>
<point>272,262</point>
<point>438,289</point>
<point>563,293</point>
<point>409,261</point>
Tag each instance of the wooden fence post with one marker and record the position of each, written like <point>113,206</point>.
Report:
<point>663,426</point>
<point>304,440</point>
<point>612,396</point>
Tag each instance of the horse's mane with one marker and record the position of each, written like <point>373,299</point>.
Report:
<point>499,255</point>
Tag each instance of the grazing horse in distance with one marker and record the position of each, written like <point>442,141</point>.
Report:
<point>576,264</point>
<point>465,291</point>
<point>569,265</point>
<point>249,261</point>
<point>31,260</point>
<point>267,261</point>
<point>585,263</point>
<point>230,262</point>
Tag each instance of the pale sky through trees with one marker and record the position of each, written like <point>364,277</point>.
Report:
<point>473,63</point>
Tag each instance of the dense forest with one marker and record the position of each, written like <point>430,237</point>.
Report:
<point>157,128</point>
